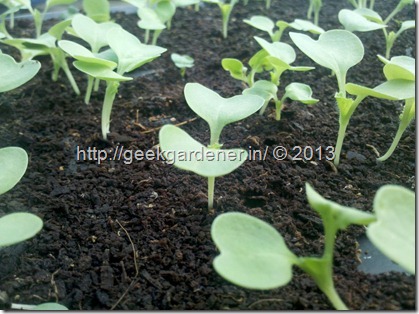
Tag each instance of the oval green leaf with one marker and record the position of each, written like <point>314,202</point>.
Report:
<point>337,50</point>
<point>188,154</point>
<point>252,253</point>
<point>394,232</point>
<point>130,51</point>
<point>13,164</point>
<point>219,111</point>
<point>18,227</point>
<point>261,22</point>
<point>13,74</point>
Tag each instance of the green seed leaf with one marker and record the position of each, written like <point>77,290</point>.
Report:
<point>13,164</point>
<point>265,89</point>
<point>149,19</point>
<point>401,67</point>
<point>91,32</point>
<point>337,50</point>
<point>130,51</point>
<point>100,71</point>
<point>13,74</point>
<point>235,67</point>
<point>82,54</point>
<point>281,51</point>
<point>261,22</point>
<point>331,212</point>
<point>252,253</point>
<point>188,154</point>
<point>306,26</point>
<point>182,61</point>
<point>356,22</point>
<point>394,232</point>
<point>219,111</point>
<point>300,92</point>
<point>18,227</point>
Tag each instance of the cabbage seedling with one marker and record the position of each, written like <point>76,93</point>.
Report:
<point>37,15</point>
<point>182,62</point>
<point>94,34</point>
<point>210,161</point>
<point>365,20</point>
<point>219,111</point>
<point>127,54</point>
<point>265,24</point>
<point>314,7</point>
<point>276,59</point>
<point>337,50</point>
<point>400,85</point>
<point>15,227</point>
<point>226,9</point>
<point>45,44</point>
<point>254,255</point>
<point>186,153</point>
<point>156,15</point>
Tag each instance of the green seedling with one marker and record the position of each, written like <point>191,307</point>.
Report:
<point>94,34</point>
<point>156,15</point>
<point>45,44</point>
<point>276,58</point>
<point>12,7</point>
<point>314,8</point>
<point>254,255</point>
<point>13,74</point>
<point>219,111</point>
<point>186,153</point>
<point>265,24</point>
<point>265,89</point>
<point>210,161</point>
<point>365,20</point>
<point>226,9</point>
<point>337,50</point>
<point>15,227</point>
<point>394,231</point>
<point>97,10</point>
<point>182,62</point>
<point>400,85</point>
<point>126,54</point>
<point>37,15</point>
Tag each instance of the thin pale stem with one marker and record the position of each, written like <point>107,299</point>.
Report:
<point>156,35</point>
<point>89,89</point>
<point>146,36</point>
<point>96,87</point>
<point>211,187</point>
<point>69,75</point>
<point>345,115</point>
<point>111,91</point>
<point>265,105</point>
<point>405,119</point>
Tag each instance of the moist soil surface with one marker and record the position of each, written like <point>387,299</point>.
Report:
<point>137,236</point>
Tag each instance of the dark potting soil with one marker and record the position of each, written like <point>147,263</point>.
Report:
<point>137,236</point>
